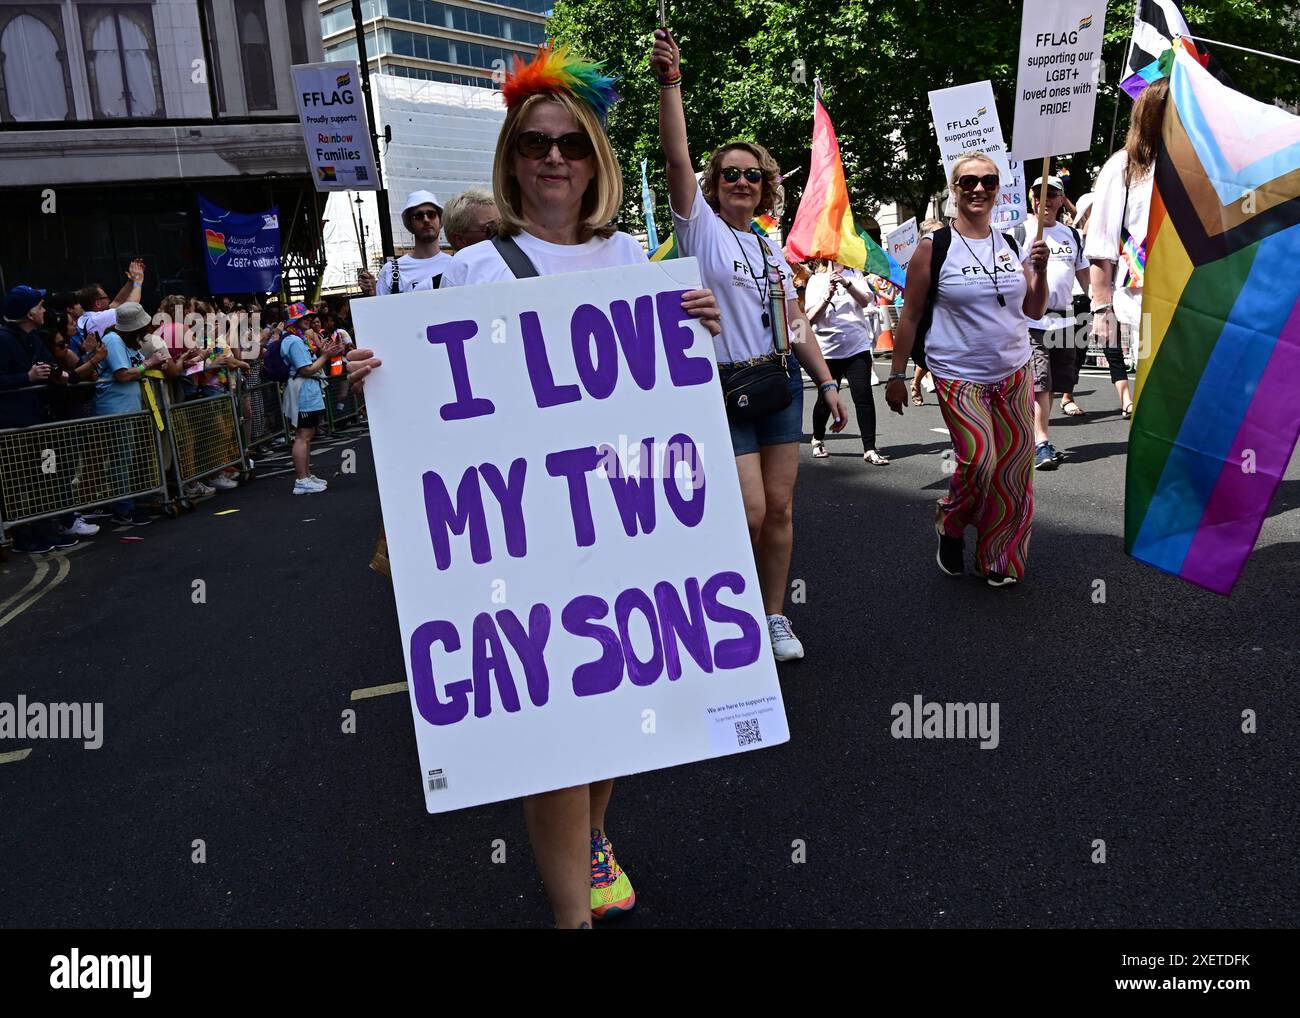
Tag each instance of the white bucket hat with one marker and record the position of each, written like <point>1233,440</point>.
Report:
<point>417,198</point>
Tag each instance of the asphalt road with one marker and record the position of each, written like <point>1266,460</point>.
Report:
<point>1119,721</point>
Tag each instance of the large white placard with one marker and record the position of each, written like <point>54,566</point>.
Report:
<point>575,586</point>
<point>334,126</point>
<point>1011,208</point>
<point>902,240</point>
<point>1057,73</point>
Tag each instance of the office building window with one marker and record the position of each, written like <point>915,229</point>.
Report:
<point>34,80</point>
<point>255,54</point>
<point>121,61</point>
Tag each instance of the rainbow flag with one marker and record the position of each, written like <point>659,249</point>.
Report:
<point>1217,409</point>
<point>216,243</point>
<point>823,227</point>
<point>668,249</point>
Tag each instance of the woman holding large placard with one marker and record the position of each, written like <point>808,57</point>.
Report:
<point>558,187</point>
<point>762,385</point>
<point>972,292</point>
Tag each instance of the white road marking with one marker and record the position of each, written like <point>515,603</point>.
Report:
<point>38,574</point>
<point>940,431</point>
<point>62,574</point>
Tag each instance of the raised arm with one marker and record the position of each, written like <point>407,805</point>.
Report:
<point>666,61</point>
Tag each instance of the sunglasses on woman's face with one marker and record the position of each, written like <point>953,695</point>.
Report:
<point>536,145</point>
<point>731,174</point>
<point>968,182</point>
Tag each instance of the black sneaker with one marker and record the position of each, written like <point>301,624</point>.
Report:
<point>36,547</point>
<point>951,555</point>
<point>140,518</point>
<point>96,514</point>
<point>999,580</point>
<point>62,542</point>
<point>122,519</point>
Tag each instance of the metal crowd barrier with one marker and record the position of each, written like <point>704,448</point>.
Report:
<point>61,467</point>
<point>205,437</point>
<point>339,393</point>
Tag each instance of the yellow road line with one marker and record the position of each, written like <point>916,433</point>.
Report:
<point>14,757</point>
<point>369,691</point>
<point>62,574</point>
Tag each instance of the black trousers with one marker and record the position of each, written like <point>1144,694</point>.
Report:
<point>1114,361</point>
<point>857,369</point>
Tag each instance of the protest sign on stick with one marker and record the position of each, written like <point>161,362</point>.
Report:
<point>1057,73</point>
<point>966,120</point>
<point>575,587</point>
<point>901,242</point>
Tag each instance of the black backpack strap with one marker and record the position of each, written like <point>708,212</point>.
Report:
<point>515,257</point>
<point>940,241</point>
<point>1015,247</point>
<point>435,282</point>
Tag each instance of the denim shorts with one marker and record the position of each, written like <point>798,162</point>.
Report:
<point>776,428</point>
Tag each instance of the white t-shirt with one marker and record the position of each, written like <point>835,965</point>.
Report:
<point>416,273</point>
<point>100,323</point>
<point>729,260</point>
<point>1103,241</point>
<point>1063,266</point>
<point>843,329</point>
<point>972,337</point>
<point>480,263</point>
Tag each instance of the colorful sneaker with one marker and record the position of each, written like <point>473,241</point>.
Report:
<point>611,890</point>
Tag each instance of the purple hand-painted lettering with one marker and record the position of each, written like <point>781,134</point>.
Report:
<point>545,391</point>
<point>454,336</point>
<point>678,339</point>
<point>598,372</point>
<point>424,683</point>
<point>691,629</point>
<point>574,465</point>
<point>636,334</point>
<point>743,649</point>
<point>682,449</point>
<point>605,673</point>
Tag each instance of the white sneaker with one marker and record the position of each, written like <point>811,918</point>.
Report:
<point>80,528</point>
<point>306,486</point>
<point>323,483</point>
<point>224,483</point>
<point>785,645</point>
<point>197,489</point>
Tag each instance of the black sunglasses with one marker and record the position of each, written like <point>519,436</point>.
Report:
<point>731,174</point>
<point>429,214</point>
<point>968,181</point>
<point>536,145</point>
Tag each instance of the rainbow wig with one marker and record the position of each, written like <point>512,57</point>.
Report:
<point>559,69</point>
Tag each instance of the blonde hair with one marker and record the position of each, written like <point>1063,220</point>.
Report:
<point>771,173</point>
<point>969,157</point>
<point>604,194</point>
<point>1145,128</point>
<point>456,219</point>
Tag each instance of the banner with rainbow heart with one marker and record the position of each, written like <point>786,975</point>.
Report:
<point>243,249</point>
<point>1218,397</point>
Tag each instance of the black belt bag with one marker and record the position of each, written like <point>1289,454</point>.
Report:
<point>757,390</point>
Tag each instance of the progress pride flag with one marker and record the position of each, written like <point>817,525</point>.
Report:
<point>575,586</point>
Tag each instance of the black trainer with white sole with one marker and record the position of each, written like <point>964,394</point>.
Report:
<point>951,555</point>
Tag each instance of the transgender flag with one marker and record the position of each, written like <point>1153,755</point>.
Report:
<point>1218,390</point>
<point>823,227</point>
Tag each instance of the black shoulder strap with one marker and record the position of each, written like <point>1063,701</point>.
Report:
<point>515,257</point>
<point>396,286</point>
<point>1015,247</point>
<point>435,282</point>
<point>940,241</point>
<point>1078,239</point>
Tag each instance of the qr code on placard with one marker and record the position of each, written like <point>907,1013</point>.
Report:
<point>747,732</point>
<point>362,173</point>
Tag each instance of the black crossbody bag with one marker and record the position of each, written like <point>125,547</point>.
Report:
<point>762,388</point>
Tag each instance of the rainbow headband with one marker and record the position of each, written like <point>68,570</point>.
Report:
<point>561,70</point>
